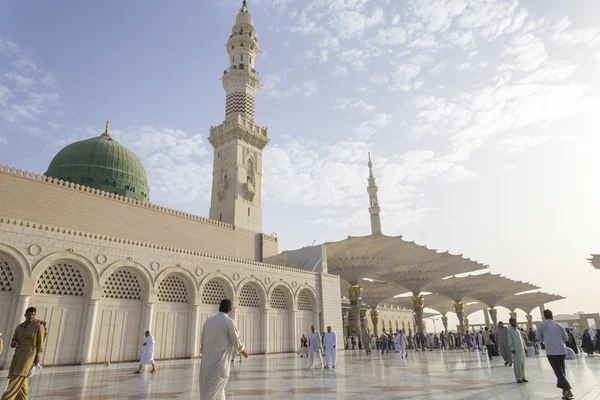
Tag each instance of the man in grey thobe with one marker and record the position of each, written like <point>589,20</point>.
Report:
<point>502,339</point>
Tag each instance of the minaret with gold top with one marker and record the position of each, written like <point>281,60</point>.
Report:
<point>238,142</point>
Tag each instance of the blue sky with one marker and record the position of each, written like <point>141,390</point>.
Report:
<point>481,115</point>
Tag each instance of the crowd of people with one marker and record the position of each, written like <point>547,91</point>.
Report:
<point>511,343</point>
<point>221,342</point>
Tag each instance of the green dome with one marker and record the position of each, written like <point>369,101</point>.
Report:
<point>101,163</point>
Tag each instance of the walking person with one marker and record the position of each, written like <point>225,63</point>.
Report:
<point>502,338</point>
<point>384,343</point>
<point>516,345</point>
<point>367,341</point>
<point>571,343</point>
<point>303,346</point>
<point>597,346</point>
<point>28,342</point>
<point>586,343</point>
<point>314,347</point>
<point>488,343</point>
<point>330,346</point>
<point>554,337</point>
<point>402,344</point>
<point>220,341</point>
<point>147,357</point>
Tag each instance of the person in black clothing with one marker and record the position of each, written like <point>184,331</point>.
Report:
<point>586,343</point>
<point>303,346</point>
<point>571,342</point>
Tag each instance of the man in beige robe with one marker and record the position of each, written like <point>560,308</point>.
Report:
<point>221,341</point>
<point>28,342</point>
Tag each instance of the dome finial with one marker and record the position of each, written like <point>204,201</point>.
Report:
<point>106,127</point>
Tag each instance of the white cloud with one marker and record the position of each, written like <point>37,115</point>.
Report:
<point>392,36</point>
<point>404,75</point>
<point>340,71</point>
<point>172,158</point>
<point>379,79</point>
<point>518,144</point>
<point>368,128</point>
<point>23,83</point>
<point>346,103</point>
<point>310,88</point>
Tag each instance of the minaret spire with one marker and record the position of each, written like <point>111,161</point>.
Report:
<point>238,142</point>
<point>374,209</point>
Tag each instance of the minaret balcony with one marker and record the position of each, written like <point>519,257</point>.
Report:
<point>241,67</point>
<point>239,128</point>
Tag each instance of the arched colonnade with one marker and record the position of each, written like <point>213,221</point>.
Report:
<point>97,317</point>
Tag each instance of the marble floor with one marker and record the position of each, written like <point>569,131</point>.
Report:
<point>431,375</point>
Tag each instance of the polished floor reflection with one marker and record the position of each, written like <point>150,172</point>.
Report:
<point>431,375</point>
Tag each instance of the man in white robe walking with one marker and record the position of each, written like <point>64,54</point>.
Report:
<point>402,342</point>
<point>220,342</point>
<point>314,347</point>
<point>147,357</point>
<point>330,346</point>
<point>396,340</point>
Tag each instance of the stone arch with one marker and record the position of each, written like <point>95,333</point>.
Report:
<point>139,270</point>
<point>61,284</point>
<point>89,272</point>
<point>313,296</point>
<point>18,258</point>
<point>287,291</point>
<point>13,270</point>
<point>227,283</point>
<point>173,274</point>
<point>258,285</point>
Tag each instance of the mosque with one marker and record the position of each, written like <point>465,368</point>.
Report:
<point>84,245</point>
<point>102,264</point>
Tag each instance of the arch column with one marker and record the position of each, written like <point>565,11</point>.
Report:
<point>266,338</point>
<point>22,304</point>
<point>293,345</point>
<point>459,309</point>
<point>466,324</point>
<point>194,331</point>
<point>418,305</point>
<point>375,321</point>
<point>513,314</point>
<point>92,314</point>
<point>149,316</point>
<point>529,321</point>
<point>445,323</point>
<point>355,296</point>
<point>486,317</point>
<point>494,316</point>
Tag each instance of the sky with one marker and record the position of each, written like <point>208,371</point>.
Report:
<point>481,116</point>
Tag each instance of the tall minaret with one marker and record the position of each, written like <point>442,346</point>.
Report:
<point>238,142</point>
<point>374,209</point>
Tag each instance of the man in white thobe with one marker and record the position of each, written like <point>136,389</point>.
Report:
<point>396,343</point>
<point>330,345</point>
<point>402,342</point>
<point>147,357</point>
<point>314,347</point>
<point>220,342</point>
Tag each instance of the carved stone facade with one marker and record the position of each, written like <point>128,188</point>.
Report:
<point>85,283</point>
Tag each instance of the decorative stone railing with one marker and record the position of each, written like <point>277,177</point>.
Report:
<point>180,250</point>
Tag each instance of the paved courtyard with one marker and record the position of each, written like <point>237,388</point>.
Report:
<point>431,375</point>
